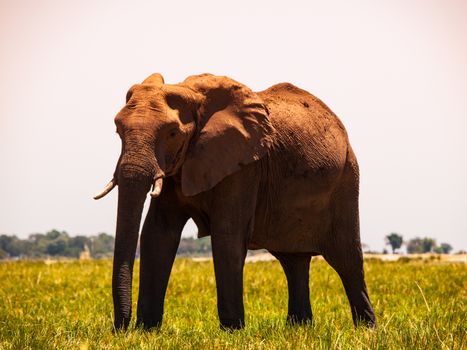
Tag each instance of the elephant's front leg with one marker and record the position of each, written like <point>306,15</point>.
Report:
<point>232,213</point>
<point>160,238</point>
<point>229,252</point>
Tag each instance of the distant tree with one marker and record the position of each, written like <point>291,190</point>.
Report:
<point>5,241</point>
<point>421,245</point>
<point>5,246</point>
<point>414,246</point>
<point>38,245</point>
<point>394,240</point>
<point>446,247</point>
<point>428,244</point>
<point>12,246</point>
<point>36,237</point>
<point>54,234</point>
<point>57,243</point>
<point>186,246</point>
<point>76,245</point>
<point>56,247</point>
<point>204,245</point>
<point>101,245</point>
<point>192,246</point>
<point>443,248</point>
<point>17,247</point>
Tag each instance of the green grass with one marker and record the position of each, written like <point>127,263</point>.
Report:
<point>67,305</point>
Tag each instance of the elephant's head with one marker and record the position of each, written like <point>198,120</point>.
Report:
<point>201,130</point>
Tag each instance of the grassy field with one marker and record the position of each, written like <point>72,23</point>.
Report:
<point>67,305</point>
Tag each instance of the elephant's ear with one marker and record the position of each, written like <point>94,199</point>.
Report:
<point>233,130</point>
<point>153,79</point>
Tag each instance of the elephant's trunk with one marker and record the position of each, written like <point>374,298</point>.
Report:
<point>135,172</point>
<point>131,198</point>
<point>137,169</point>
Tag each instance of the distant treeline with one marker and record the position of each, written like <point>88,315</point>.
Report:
<point>56,244</point>
<point>417,245</point>
<point>193,246</point>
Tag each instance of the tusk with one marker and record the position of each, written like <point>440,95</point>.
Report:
<point>156,191</point>
<point>106,189</point>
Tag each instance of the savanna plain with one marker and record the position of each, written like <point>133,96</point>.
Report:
<point>68,305</point>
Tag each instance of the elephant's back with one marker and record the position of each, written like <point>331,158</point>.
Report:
<point>301,172</point>
<point>286,101</point>
<point>306,129</point>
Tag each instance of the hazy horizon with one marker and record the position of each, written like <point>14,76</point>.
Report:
<point>394,73</point>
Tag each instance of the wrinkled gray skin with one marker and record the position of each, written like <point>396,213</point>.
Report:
<point>271,170</point>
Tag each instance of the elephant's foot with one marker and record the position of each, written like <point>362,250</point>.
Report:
<point>121,324</point>
<point>365,319</point>
<point>149,324</point>
<point>232,324</point>
<point>300,320</point>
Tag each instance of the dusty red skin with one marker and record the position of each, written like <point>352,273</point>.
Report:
<point>272,170</point>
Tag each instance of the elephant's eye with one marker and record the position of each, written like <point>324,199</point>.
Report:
<point>173,133</point>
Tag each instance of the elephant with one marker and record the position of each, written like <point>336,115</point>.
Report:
<point>267,170</point>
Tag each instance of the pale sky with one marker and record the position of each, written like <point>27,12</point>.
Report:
<point>395,72</point>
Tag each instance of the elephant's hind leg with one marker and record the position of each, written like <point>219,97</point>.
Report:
<point>349,266</point>
<point>344,254</point>
<point>296,267</point>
